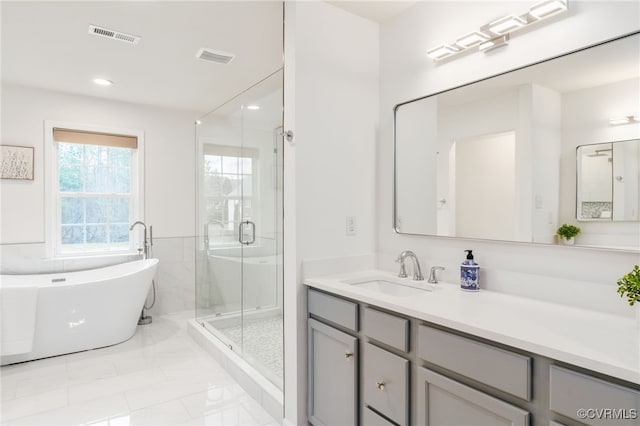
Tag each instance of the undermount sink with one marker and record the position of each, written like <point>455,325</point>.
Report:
<point>391,288</point>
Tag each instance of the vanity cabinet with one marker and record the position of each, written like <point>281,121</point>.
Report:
<point>332,361</point>
<point>504,370</point>
<point>386,374</point>
<point>370,366</point>
<point>444,402</point>
<point>333,376</point>
<point>591,400</point>
<point>386,383</point>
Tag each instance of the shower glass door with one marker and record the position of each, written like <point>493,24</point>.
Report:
<point>239,215</point>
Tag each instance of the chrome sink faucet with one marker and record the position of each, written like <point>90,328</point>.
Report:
<point>417,272</point>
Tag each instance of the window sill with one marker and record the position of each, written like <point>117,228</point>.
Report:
<point>94,256</point>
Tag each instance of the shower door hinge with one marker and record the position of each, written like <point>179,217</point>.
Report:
<point>288,135</point>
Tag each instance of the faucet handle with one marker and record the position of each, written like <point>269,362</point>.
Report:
<point>403,270</point>
<point>433,278</point>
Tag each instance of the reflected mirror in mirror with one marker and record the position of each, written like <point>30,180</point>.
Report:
<point>608,181</point>
<point>496,159</point>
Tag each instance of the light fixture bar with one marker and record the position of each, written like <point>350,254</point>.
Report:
<point>506,24</point>
<point>496,33</point>
<point>547,8</point>
<point>472,39</point>
<point>494,43</point>
<point>442,52</point>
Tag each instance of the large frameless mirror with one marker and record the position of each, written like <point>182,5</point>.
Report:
<point>496,159</point>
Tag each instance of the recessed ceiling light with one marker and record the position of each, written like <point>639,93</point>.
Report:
<point>253,107</point>
<point>102,82</point>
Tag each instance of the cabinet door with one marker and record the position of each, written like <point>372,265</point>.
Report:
<point>445,402</point>
<point>333,380</point>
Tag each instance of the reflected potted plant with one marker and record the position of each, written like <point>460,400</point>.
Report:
<point>567,233</point>
<point>629,285</point>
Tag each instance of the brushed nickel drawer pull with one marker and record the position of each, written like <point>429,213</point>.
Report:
<point>348,355</point>
<point>380,385</point>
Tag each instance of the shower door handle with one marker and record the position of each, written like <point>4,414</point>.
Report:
<point>242,235</point>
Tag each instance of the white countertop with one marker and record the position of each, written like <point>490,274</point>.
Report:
<point>605,343</point>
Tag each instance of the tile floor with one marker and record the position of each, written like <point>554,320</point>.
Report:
<point>158,377</point>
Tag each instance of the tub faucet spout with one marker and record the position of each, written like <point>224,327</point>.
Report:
<point>146,241</point>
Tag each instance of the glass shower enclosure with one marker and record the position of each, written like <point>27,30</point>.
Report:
<point>239,217</point>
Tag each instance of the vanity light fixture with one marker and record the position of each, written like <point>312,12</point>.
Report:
<point>617,121</point>
<point>547,8</point>
<point>472,39</point>
<point>494,43</point>
<point>253,107</point>
<point>496,33</point>
<point>442,52</point>
<point>506,24</point>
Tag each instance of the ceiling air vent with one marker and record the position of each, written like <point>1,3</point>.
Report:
<point>214,56</point>
<point>116,35</point>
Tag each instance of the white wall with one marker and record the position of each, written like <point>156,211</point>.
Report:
<point>169,185</point>
<point>546,140</point>
<point>332,67</point>
<point>547,272</point>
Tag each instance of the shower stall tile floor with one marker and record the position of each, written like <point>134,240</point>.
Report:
<point>158,377</point>
<point>262,343</point>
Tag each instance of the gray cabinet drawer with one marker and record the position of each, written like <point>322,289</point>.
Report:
<point>571,392</point>
<point>334,309</point>
<point>495,367</point>
<point>445,402</point>
<point>386,328</point>
<point>369,418</point>
<point>386,383</point>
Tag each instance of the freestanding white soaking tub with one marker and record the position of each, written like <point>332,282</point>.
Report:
<point>54,314</point>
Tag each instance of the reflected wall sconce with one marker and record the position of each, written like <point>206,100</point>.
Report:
<point>496,33</point>
<point>629,119</point>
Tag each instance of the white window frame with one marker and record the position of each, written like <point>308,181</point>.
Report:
<point>52,207</point>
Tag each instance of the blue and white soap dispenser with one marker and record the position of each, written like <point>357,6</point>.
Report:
<point>469,273</point>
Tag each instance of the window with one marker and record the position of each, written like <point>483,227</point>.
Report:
<point>229,191</point>
<point>95,191</point>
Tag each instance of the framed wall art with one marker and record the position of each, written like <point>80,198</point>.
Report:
<point>16,162</point>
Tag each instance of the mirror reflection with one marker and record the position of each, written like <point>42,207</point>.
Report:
<point>496,159</point>
<point>608,181</point>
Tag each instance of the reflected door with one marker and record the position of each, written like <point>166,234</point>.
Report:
<point>485,198</point>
